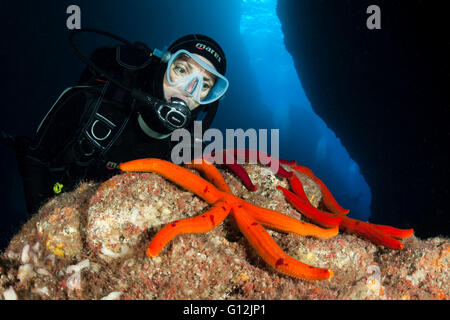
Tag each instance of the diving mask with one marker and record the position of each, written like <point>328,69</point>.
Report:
<point>196,77</point>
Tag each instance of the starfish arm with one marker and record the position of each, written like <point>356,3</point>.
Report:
<point>275,220</point>
<point>320,217</point>
<point>235,167</point>
<point>363,229</point>
<point>305,170</point>
<point>395,232</point>
<point>211,173</point>
<point>186,179</point>
<point>279,170</point>
<point>200,224</point>
<point>368,231</point>
<point>238,169</point>
<point>242,174</point>
<point>328,200</point>
<point>288,162</point>
<point>297,187</point>
<point>269,250</point>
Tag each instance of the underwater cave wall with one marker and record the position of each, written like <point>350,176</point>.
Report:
<point>383,92</point>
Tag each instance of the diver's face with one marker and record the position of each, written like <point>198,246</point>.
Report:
<point>182,67</point>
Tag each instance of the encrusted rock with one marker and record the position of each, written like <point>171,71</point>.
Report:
<point>61,232</point>
<point>90,244</point>
<point>127,205</point>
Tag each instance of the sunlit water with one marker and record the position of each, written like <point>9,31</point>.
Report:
<point>280,88</point>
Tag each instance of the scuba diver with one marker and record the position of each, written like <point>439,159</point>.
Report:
<point>126,105</point>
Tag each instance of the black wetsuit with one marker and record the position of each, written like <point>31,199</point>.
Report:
<point>53,159</point>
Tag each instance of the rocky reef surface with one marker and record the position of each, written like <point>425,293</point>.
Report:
<point>90,244</point>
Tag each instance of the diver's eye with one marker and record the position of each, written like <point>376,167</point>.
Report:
<point>206,87</point>
<point>180,70</point>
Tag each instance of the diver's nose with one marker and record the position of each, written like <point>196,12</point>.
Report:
<point>192,86</point>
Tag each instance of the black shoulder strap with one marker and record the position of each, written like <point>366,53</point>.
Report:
<point>56,110</point>
<point>103,124</point>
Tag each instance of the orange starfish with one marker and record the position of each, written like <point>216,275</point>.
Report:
<point>249,218</point>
